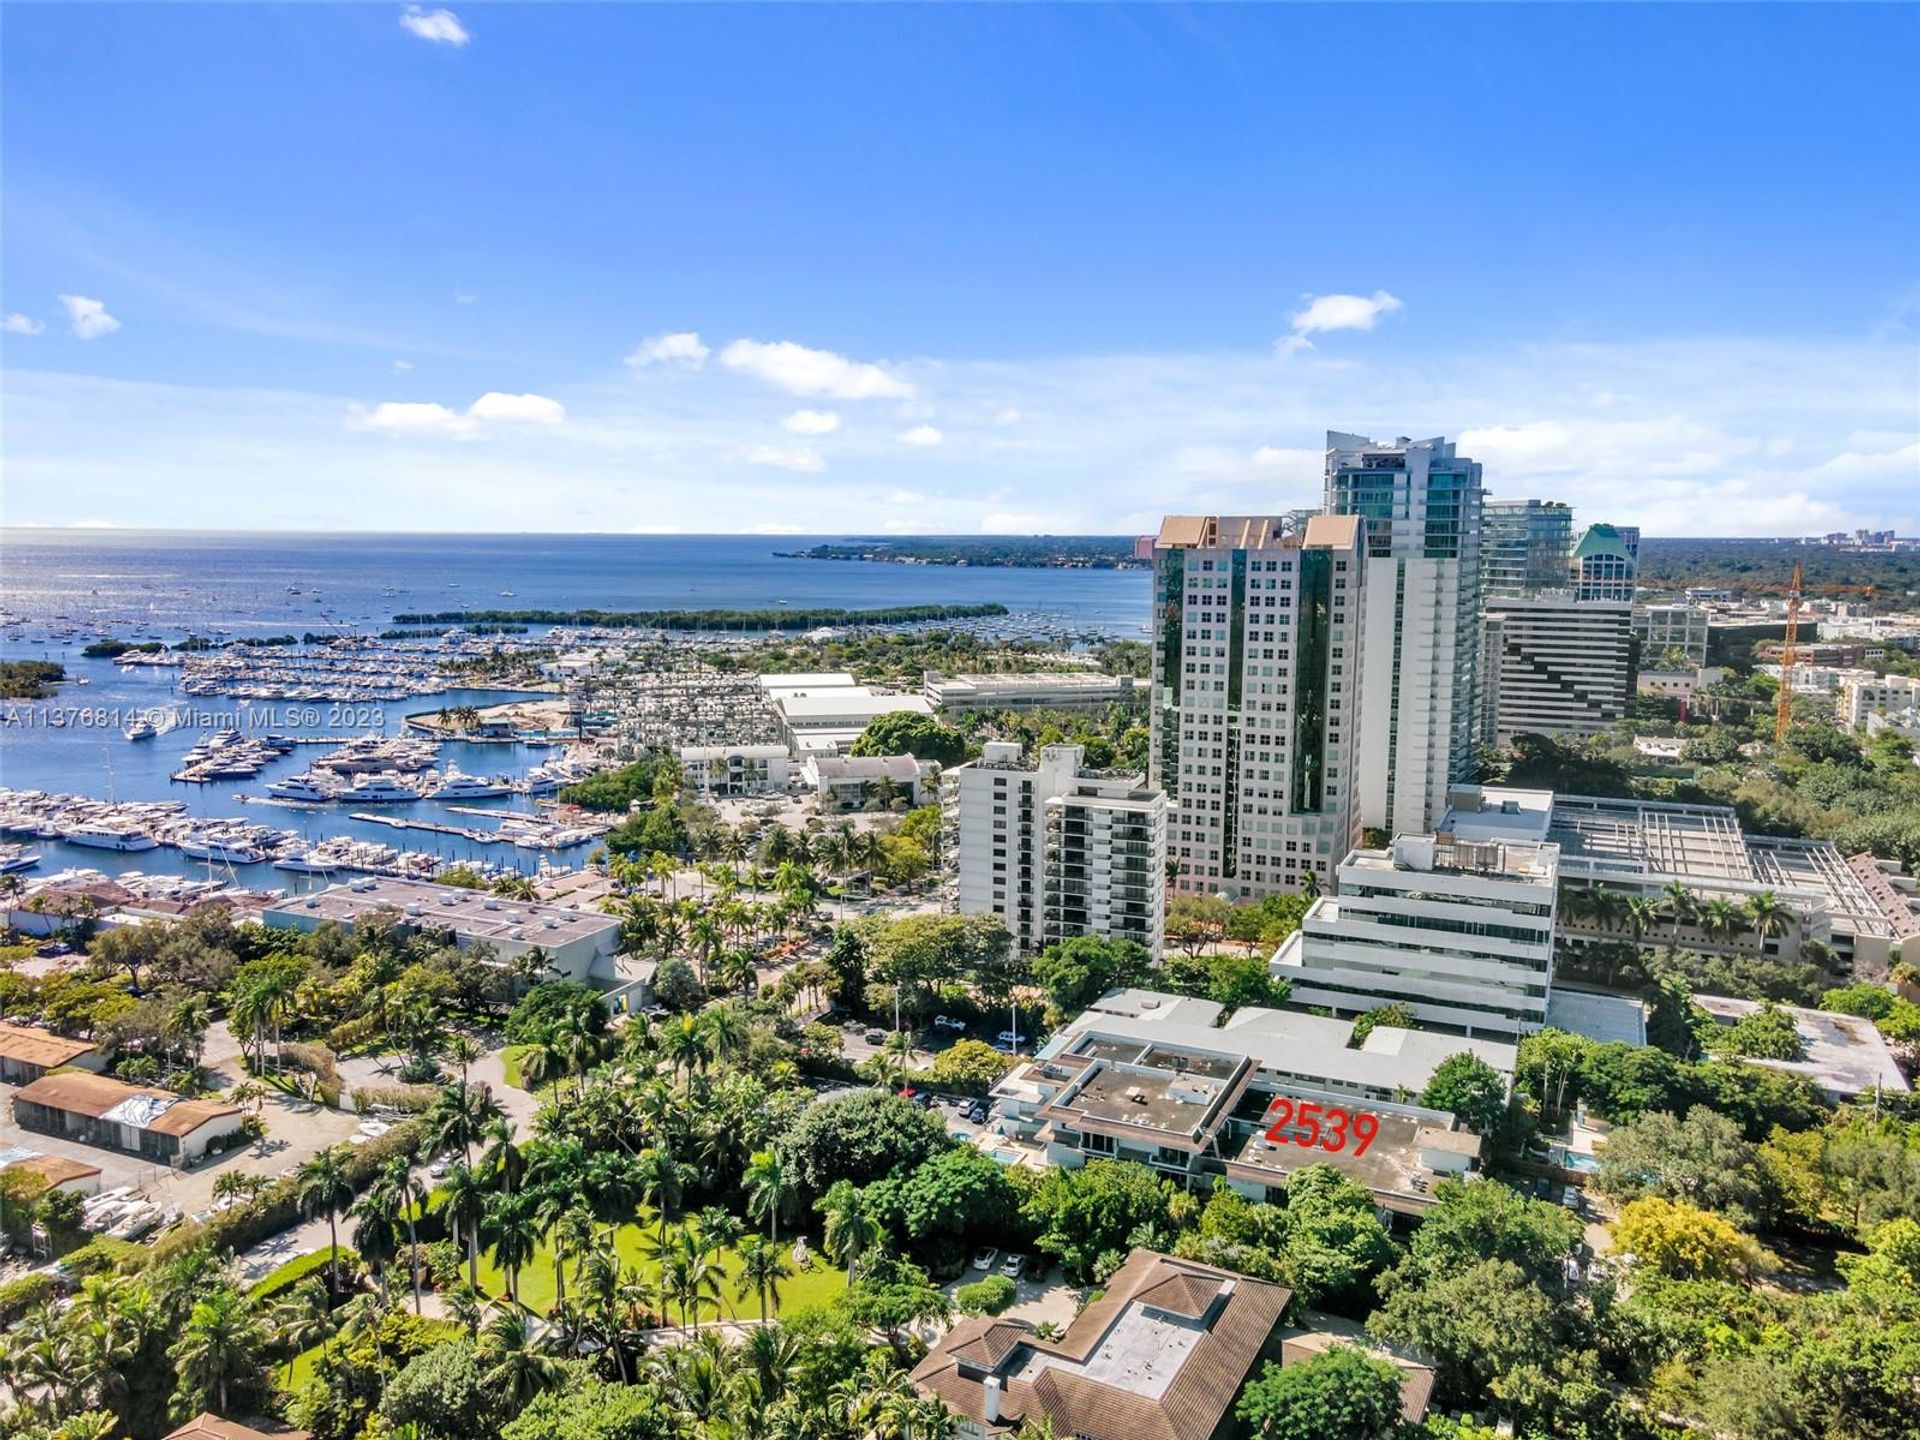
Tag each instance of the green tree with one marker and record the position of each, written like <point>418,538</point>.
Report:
<point>1091,1217</point>
<point>1469,1088</point>
<point>861,1137</point>
<point>218,1353</point>
<point>1343,1393</point>
<point>905,733</point>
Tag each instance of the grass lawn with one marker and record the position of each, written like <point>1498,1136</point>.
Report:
<point>805,1290</point>
<point>510,1059</point>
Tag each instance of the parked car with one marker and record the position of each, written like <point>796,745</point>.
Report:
<point>440,1166</point>
<point>947,1022</point>
<point>1571,1198</point>
<point>974,1110</point>
<point>1014,1267</point>
<point>875,1037</point>
<point>985,1258</point>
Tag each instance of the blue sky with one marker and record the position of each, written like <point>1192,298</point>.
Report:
<point>951,269</point>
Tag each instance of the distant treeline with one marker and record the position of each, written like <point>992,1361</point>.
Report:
<point>431,633</point>
<point>783,619</point>
<point>1050,552</point>
<point>1768,565</point>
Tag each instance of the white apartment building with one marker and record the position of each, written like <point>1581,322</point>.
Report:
<point>1420,642</point>
<point>1056,852</point>
<point>1458,924</point>
<point>1554,665</point>
<point>1255,700</point>
<point>722,772</point>
<point>1671,627</point>
<point>1862,693</point>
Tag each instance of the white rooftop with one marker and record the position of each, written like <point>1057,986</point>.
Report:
<point>1845,1054</point>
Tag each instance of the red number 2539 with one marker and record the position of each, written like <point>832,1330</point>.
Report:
<point>1326,1126</point>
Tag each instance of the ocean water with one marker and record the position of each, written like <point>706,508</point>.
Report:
<point>178,581</point>
<point>68,587</point>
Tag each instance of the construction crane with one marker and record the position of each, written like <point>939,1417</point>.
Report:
<point>1796,592</point>
<point>1783,707</point>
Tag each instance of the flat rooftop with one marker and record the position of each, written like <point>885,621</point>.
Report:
<point>1845,1054</point>
<point>1181,1095</point>
<point>1390,1166</point>
<point>1287,1044</point>
<point>1608,1019</point>
<point>473,914</point>
<point>1497,812</point>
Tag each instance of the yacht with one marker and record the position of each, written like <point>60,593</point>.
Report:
<point>458,786</point>
<point>106,835</point>
<point>300,787</point>
<point>141,729</point>
<point>213,847</point>
<point>379,790</point>
<point>14,858</point>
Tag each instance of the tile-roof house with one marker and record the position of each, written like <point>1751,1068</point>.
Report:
<point>1161,1355</point>
<point>208,1426</point>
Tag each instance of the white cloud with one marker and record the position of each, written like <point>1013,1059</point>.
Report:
<point>400,367</point>
<point>414,417</point>
<point>773,456</point>
<point>905,497</point>
<point>428,418</point>
<point>18,324</point>
<point>682,347</point>
<point>1008,416</point>
<point>441,27</point>
<point>1336,312</point>
<point>771,529</point>
<point>801,371</point>
<point>518,409</point>
<point>1274,457</point>
<point>464,297</point>
<point>88,318</point>
<point>812,422</point>
<point>1017,522</point>
<point>922,437</point>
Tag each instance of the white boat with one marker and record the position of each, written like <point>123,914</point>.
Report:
<point>14,859</point>
<point>307,862</point>
<point>212,847</point>
<point>379,790</point>
<point>300,787</point>
<point>142,729</point>
<point>457,786</point>
<point>107,836</point>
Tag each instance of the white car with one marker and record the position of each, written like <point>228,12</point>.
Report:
<point>986,1258</point>
<point>947,1022</point>
<point>1014,1267</point>
<point>1009,1039</point>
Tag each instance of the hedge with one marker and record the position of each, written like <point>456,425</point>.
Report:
<point>17,1297</point>
<point>284,1277</point>
<point>277,1207</point>
<point>104,1253</point>
<point>410,1098</point>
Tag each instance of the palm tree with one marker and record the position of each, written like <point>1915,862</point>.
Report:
<point>1721,919</point>
<point>1641,915</point>
<point>302,1318</point>
<point>1769,918</point>
<point>1679,904</point>
<point>569,1229</point>
<point>457,1118</point>
<point>769,1190</point>
<point>658,1175</point>
<point>686,1044</point>
<point>402,1193</point>
<point>763,1265</point>
<point>545,1061</point>
<point>219,1344</point>
<point>853,1227</point>
<point>512,1226</point>
<point>1606,906</point>
<point>516,1368</point>
<point>466,1209</point>
<point>326,1188</point>
<point>462,1050</point>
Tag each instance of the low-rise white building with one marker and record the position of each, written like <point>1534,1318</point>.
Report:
<point>1028,690</point>
<point>140,1119</point>
<point>579,945</point>
<point>1458,924</point>
<point>1056,852</point>
<point>1864,693</point>
<point>727,772</point>
<point>825,713</point>
<point>1154,1078</point>
<point>849,782</point>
